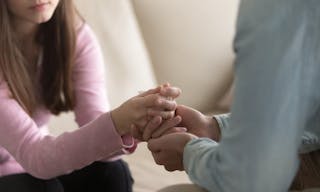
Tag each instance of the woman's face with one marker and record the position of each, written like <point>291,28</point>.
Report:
<point>34,11</point>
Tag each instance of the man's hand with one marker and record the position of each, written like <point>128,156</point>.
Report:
<point>168,149</point>
<point>154,124</point>
<point>195,122</point>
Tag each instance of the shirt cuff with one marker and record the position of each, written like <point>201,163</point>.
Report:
<point>223,121</point>
<point>192,150</point>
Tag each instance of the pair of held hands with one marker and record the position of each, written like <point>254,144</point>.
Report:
<point>155,117</point>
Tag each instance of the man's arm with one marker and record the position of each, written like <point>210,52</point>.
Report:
<point>277,71</point>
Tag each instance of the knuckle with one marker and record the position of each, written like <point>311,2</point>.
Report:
<point>170,115</point>
<point>150,111</point>
<point>171,105</point>
<point>164,115</point>
<point>154,97</point>
<point>156,101</point>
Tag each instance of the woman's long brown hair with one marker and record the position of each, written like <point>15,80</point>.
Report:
<point>57,38</point>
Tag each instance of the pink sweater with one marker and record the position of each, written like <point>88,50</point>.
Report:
<point>25,146</point>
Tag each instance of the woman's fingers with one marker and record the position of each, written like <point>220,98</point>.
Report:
<point>157,101</point>
<point>165,89</point>
<point>151,127</point>
<point>135,132</point>
<point>154,102</point>
<point>170,92</point>
<point>150,91</point>
<point>164,114</point>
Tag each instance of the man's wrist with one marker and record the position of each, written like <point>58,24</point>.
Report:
<point>214,131</point>
<point>188,137</point>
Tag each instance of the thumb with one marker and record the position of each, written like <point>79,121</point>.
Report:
<point>187,113</point>
<point>184,110</point>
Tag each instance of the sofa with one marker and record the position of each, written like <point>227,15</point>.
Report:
<point>146,43</point>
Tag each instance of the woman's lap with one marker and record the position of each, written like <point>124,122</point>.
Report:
<point>99,176</point>
<point>28,183</point>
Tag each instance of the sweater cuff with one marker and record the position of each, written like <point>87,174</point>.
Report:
<point>126,142</point>
<point>129,144</point>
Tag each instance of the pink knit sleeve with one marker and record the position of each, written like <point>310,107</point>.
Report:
<point>45,156</point>
<point>89,78</point>
<point>89,83</point>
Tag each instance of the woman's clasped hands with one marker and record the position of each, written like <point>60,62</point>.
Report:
<point>142,114</point>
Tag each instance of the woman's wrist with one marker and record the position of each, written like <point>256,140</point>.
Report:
<point>118,121</point>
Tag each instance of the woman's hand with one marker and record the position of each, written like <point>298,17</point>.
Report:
<point>197,123</point>
<point>140,109</point>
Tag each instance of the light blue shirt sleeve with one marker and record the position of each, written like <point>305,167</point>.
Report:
<point>310,141</point>
<point>223,121</point>
<point>277,99</point>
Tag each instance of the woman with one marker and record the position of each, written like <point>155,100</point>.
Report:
<point>50,62</point>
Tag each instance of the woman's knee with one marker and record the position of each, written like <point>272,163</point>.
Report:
<point>116,175</point>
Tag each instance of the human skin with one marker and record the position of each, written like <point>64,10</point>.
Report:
<point>152,103</point>
<point>167,148</point>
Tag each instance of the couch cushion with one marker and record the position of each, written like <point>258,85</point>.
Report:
<point>190,45</point>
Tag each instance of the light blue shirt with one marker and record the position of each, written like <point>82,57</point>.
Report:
<point>276,105</point>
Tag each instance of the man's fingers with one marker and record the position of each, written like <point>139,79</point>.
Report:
<point>159,157</point>
<point>170,167</point>
<point>166,125</point>
<point>150,127</point>
<point>175,130</point>
<point>188,114</point>
<point>154,145</point>
<point>162,158</point>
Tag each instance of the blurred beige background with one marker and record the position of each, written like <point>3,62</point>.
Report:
<point>146,42</point>
<point>190,45</point>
